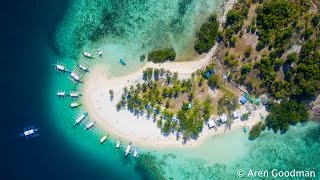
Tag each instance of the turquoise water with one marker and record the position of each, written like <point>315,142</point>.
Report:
<point>136,26</point>
<point>297,149</point>
<point>128,29</point>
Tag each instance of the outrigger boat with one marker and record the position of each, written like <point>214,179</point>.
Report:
<point>30,132</point>
<point>75,104</point>
<point>128,149</point>
<point>81,118</point>
<point>136,151</point>
<point>75,94</point>
<point>59,66</point>
<point>123,61</point>
<point>90,125</point>
<point>87,55</point>
<point>61,93</point>
<point>83,67</point>
<point>118,144</point>
<point>100,52</point>
<point>75,78</point>
<point>103,139</point>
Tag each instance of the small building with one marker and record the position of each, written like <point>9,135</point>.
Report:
<point>211,124</point>
<point>209,73</point>
<point>175,119</point>
<point>189,106</point>
<point>235,114</point>
<point>249,107</point>
<point>264,100</point>
<point>243,100</point>
<point>223,118</point>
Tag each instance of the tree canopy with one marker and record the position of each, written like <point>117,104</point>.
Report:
<point>162,55</point>
<point>206,36</point>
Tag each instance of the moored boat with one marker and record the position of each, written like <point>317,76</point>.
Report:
<point>90,125</point>
<point>75,94</point>
<point>30,132</point>
<point>103,139</point>
<point>136,151</point>
<point>61,93</point>
<point>100,52</point>
<point>81,118</point>
<point>128,149</point>
<point>83,67</point>
<point>87,55</point>
<point>59,66</point>
<point>118,144</point>
<point>75,104</point>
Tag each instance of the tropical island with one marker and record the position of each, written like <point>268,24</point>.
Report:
<point>259,56</point>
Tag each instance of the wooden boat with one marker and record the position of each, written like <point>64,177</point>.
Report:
<point>75,104</point>
<point>61,93</point>
<point>118,144</point>
<point>90,125</point>
<point>81,118</point>
<point>30,132</point>
<point>128,149</point>
<point>136,151</point>
<point>103,139</point>
<point>87,55</point>
<point>59,66</point>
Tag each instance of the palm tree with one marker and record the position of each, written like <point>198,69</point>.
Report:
<point>175,76</point>
<point>201,80</point>
<point>156,73</point>
<point>125,90</point>
<point>111,93</point>
<point>191,95</point>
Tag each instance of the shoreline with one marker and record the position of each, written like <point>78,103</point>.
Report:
<point>129,128</point>
<point>141,131</point>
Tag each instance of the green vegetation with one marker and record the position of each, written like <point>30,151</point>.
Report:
<point>286,113</point>
<point>231,61</point>
<point>287,73</point>
<point>255,131</point>
<point>245,117</point>
<point>213,81</point>
<point>142,57</point>
<point>162,55</point>
<point>248,51</point>
<point>234,22</point>
<point>172,103</point>
<point>111,93</point>
<point>207,35</point>
<point>228,103</point>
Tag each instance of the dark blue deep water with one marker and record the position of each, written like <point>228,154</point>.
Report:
<point>27,31</point>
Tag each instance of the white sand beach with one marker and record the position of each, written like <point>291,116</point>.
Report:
<point>141,131</point>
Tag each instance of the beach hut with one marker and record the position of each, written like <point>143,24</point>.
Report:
<point>243,100</point>
<point>208,74</point>
<point>211,124</point>
<point>249,107</point>
<point>235,114</point>
<point>189,106</point>
<point>175,119</point>
<point>223,118</point>
<point>264,100</point>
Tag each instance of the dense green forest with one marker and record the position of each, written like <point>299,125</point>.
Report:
<point>162,55</point>
<point>290,75</point>
<point>206,36</point>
